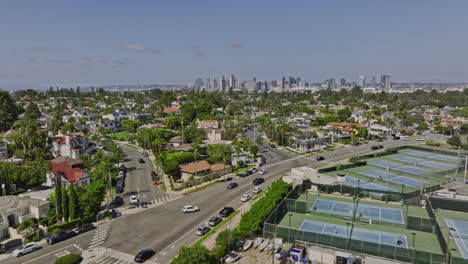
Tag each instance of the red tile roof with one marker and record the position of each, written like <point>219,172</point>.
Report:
<point>72,175</point>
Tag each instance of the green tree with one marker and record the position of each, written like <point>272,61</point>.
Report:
<point>8,111</point>
<point>56,123</point>
<point>196,254</point>
<point>65,203</point>
<point>58,197</point>
<point>254,150</point>
<point>91,198</point>
<point>454,140</point>
<point>31,112</point>
<point>73,203</point>
<point>130,125</point>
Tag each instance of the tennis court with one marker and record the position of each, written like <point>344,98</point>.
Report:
<point>368,185</point>
<point>430,155</point>
<point>360,234</point>
<point>398,167</point>
<point>392,215</point>
<point>423,162</point>
<point>393,178</point>
<point>459,234</point>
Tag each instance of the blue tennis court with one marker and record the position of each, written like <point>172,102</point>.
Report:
<point>392,215</point>
<point>398,167</point>
<point>369,185</point>
<point>423,162</point>
<point>393,178</point>
<point>459,234</point>
<point>430,155</point>
<point>361,234</point>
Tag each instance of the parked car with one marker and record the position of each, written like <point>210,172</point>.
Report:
<point>190,209</point>
<point>122,167</point>
<point>141,160</point>
<point>145,154</point>
<point>245,198</point>
<point>214,221</point>
<point>263,171</point>
<point>60,236</point>
<point>257,190</point>
<point>25,249</point>
<point>228,178</point>
<point>226,211</point>
<point>202,230</point>
<point>320,158</point>
<point>144,255</point>
<point>119,190</point>
<point>232,257</point>
<point>258,181</point>
<point>133,199</point>
<point>232,185</point>
<point>153,175</point>
<point>118,200</point>
<point>84,228</point>
<point>254,170</point>
<point>374,147</point>
<point>420,139</point>
<point>272,145</point>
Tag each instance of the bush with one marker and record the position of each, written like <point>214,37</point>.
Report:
<point>432,143</point>
<point>70,224</point>
<point>69,259</point>
<point>32,236</point>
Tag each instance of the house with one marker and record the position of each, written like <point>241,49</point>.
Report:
<point>172,110</point>
<point>175,141</point>
<point>70,171</point>
<point>244,157</point>
<point>381,128</point>
<point>141,116</point>
<point>220,168</point>
<point>213,134</point>
<point>306,142</point>
<point>207,124</point>
<point>15,210</point>
<point>69,145</point>
<point>199,168</point>
<point>3,150</point>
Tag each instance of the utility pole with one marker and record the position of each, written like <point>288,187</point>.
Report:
<point>466,164</point>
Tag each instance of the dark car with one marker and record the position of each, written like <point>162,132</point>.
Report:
<point>374,147</point>
<point>258,181</point>
<point>141,160</point>
<point>380,146</point>
<point>118,200</point>
<point>357,144</point>
<point>154,175</point>
<point>319,158</point>
<point>214,221</point>
<point>84,228</point>
<point>60,236</point>
<point>232,185</point>
<point>122,168</point>
<point>119,189</point>
<point>272,145</point>
<point>226,211</point>
<point>228,178</point>
<point>144,255</point>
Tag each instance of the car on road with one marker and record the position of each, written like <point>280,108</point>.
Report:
<point>257,190</point>
<point>214,221</point>
<point>190,209</point>
<point>25,249</point>
<point>133,199</point>
<point>272,145</point>
<point>254,170</point>
<point>377,147</point>
<point>144,255</point>
<point>420,139</point>
<point>202,230</point>
<point>60,236</point>
<point>320,158</point>
<point>141,160</point>
<point>226,211</point>
<point>258,181</point>
<point>145,154</point>
<point>245,198</point>
<point>84,228</point>
<point>232,185</point>
<point>229,179</point>
<point>263,171</point>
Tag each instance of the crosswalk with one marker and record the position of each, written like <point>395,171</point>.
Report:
<point>110,260</point>
<point>280,162</point>
<point>162,199</point>
<point>100,234</point>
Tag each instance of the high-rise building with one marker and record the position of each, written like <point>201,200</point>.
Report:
<point>342,82</point>
<point>332,83</point>
<point>222,84</point>
<point>291,82</point>
<point>250,85</point>
<point>232,81</point>
<point>198,84</point>
<point>208,84</point>
<point>373,83</point>
<point>362,81</point>
<point>385,82</point>
<point>283,83</point>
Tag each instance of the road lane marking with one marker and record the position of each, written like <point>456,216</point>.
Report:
<point>41,256</point>
<point>78,247</point>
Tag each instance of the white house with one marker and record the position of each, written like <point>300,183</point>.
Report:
<point>69,145</point>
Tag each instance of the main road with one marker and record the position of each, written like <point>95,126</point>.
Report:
<point>164,228</point>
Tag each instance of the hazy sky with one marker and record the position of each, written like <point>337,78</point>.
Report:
<point>141,42</point>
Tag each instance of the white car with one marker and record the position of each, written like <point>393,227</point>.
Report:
<point>25,249</point>
<point>263,171</point>
<point>245,197</point>
<point>254,169</point>
<point>420,139</point>
<point>133,199</point>
<point>190,209</point>
<point>257,190</point>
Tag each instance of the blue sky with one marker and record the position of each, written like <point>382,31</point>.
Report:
<point>69,43</point>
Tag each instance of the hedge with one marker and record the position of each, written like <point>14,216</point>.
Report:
<point>69,259</point>
<point>69,225</point>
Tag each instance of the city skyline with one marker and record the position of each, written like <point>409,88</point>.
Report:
<point>65,44</point>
